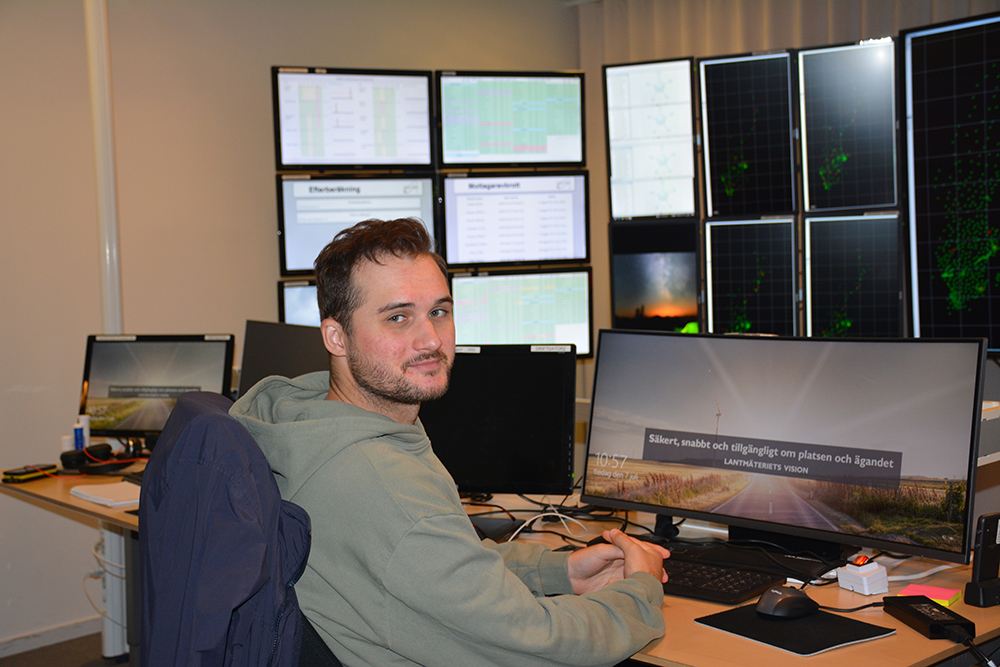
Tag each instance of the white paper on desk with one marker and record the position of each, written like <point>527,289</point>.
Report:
<point>119,494</point>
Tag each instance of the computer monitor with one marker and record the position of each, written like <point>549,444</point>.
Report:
<point>506,424</point>
<point>750,276</point>
<point>511,119</point>
<point>516,218</point>
<point>951,160</point>
<point>532,307</point>
<point>869,443</point>
<point>746,116</point>
<point>131,382</point>
<point>297,303</point>
<point>334,118</point>
<point>854,276</point>
<point>655,274</point>
<point>314,209</point>
<point>847,106</point>
<point>270,348</point>
<point>650,131</point>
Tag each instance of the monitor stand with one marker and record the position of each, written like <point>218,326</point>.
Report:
<point>759,550</point>
<point>789,544</point>
<point>665,527</point>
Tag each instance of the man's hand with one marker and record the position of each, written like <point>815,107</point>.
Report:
<point>596,566</point>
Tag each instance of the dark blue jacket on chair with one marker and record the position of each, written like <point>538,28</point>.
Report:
<point>219,549</point>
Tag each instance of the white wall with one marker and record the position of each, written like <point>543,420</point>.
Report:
<point>196,200</point>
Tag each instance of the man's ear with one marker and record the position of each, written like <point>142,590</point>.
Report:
<point>333,337</point>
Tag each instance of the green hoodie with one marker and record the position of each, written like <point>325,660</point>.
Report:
<point>397,574</point>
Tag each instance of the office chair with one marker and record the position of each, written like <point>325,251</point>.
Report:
<point>219,550</point>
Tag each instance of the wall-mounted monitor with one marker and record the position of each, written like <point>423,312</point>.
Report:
<point>650,130</point>
<point>867,443</point>
<point>746,116</point>
<point>952,162</point>
<point>506,424</point>
<point>516,218</point>
<point>853,274</point>
<point>847,105</point>
<point>655,269</point>
<point>750,276</point>
<point>313,209</point>
<point>511,118</point>
<point>131,383</point>
<point>531,307</point>
<point>337,119</point>
<point>297,303</point>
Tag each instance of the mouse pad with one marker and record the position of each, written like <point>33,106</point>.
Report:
<point>806,636</point>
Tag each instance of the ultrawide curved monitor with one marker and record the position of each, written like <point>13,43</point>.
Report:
<point>868,443</point>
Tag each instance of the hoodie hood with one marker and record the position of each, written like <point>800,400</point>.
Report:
<point>291,421</point>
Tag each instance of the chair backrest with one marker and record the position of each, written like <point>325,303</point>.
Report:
<point>220,551</point>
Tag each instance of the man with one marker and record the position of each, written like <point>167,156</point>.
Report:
<point>397,574</point>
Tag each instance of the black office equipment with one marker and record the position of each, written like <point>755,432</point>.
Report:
<point>650,139</point>
<point>948,100</point>
<point>715,583</point>
<point>289,350</point>
<point>854,276</point>
<point>847,111</point>
<point>297,303</point>
<point>864,443</point>
<point>507,424</point>
<point>313,209</point>
<point>516,218</point>
<point>746,116</point>
<point>984,589</point>
<point>750,276</point>
<point>349,119</point>
<point>131,382</point>
<point>807,636</point>
<point>655,274</point>
<point>511,119</point>
<point>536,307</point>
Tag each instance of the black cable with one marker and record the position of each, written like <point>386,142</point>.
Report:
<point>958,635</point>
<point>852,609</point>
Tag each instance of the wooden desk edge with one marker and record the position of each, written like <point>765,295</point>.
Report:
<point>55,491</point>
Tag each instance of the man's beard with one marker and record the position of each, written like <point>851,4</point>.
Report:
<point>386,387</point>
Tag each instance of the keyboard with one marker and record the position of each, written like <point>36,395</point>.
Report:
<point>716,583</point>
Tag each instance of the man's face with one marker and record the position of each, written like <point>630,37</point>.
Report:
<point>402,340</point>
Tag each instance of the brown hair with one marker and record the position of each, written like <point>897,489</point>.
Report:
<point>369,240</point>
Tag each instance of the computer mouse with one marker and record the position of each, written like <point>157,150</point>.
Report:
<point>785,602</point>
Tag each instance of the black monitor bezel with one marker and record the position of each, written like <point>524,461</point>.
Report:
<point>442,230</point>
<point>828,216</point>
<point>280,165</point>
<point>793,258</point>
<point>701,63</point>
<point>617,227</point>
<point>799,104</point>
<point>962,557</point>
<point>498,74</point>
<point>227,379</point>
<point>908,196</point>
<point>282,285</point>
<point>695,136</point>
<point>574,269</point>
<point>565,451</point>
<point>280,179</point>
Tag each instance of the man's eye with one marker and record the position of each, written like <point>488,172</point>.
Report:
<point>439,312</point>
<point>396,318</point>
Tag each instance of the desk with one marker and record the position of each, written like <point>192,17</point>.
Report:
<point>689,644</point>
<point>119,533</point>
<point>685,643</point>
